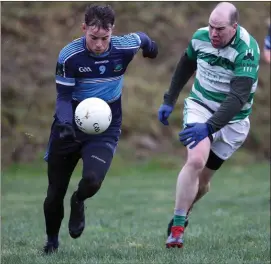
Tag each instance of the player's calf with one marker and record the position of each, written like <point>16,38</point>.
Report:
<point>202,191</point>
<point>77,217</point>
<point>88,187</point>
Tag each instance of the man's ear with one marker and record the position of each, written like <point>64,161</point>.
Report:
<point>235,26</point>
<point>84,27</point>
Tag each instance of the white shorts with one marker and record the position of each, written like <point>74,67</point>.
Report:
<point>228,139</point>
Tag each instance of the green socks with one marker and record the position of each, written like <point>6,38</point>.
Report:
<point>179,218</point>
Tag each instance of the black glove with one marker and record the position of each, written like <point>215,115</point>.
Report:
<point>152,52</point>
<point>66,132</point>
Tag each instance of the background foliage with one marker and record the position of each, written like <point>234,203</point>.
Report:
<point>33,33</point>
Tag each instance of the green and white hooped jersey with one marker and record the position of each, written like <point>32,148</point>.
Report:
<point>216,68</point>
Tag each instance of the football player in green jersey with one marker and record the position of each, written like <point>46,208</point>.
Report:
<point>216,113</point>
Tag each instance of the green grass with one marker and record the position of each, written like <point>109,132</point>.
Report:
<point>126,221</point>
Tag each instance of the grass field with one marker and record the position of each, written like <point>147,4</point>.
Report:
<point>126,221</point>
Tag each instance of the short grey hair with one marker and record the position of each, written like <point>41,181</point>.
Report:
<point>234,16</point>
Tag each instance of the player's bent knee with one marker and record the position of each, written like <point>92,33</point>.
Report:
<point>198,156</point>
<point>92,179</point>
<point>196,161</point>
<point>90,184</point>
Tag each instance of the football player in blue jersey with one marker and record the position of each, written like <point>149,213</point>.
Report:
<point>91,66</point>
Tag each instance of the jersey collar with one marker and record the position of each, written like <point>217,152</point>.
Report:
<point>236,36</point>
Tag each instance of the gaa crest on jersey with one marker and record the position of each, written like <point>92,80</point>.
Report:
<point>117,65</point>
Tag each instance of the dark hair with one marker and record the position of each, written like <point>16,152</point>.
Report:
<point>234,17</point>
<point>100,16</point>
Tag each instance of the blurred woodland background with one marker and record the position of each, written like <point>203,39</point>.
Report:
<point>33,33</point>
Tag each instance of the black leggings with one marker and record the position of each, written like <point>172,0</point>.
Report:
<point>62,160</point>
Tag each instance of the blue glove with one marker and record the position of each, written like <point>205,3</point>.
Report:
<point>152,52</point>
<point>195,132</point>
<point>164,112</point>
<point>66,132</point>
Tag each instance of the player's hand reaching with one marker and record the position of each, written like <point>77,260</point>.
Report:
<point>66,132</point>
<point>195,132</point>
<point>152,52</point>
<point>164,113</point>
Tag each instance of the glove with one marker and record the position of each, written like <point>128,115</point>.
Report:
<point>164,112</point>
<point>152,52</point>
<point>195,132</point>
<point>66,132</point>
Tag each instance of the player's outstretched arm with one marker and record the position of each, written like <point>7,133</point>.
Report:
<point>148,46</point>
<point>183,72</point>
<point>64,88</point>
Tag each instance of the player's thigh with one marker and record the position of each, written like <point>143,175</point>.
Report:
<point>62,159</point>
<point>195,113</point>
<point>230,138</point>
<point>57,148</point>
<point>97,158</point>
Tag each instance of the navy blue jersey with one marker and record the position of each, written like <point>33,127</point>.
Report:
<point>80,74</point>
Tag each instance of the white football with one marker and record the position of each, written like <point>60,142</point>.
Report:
<point>93,116</point>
